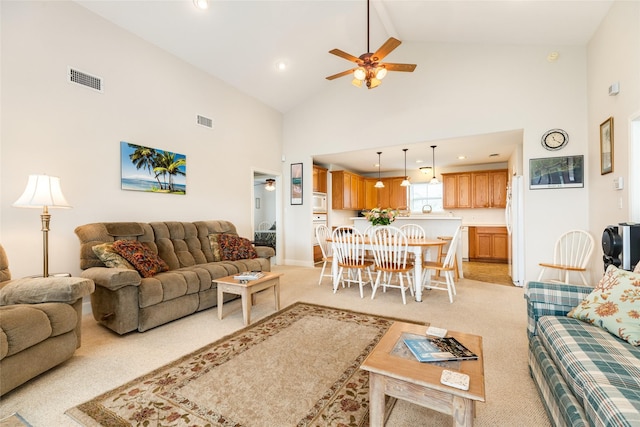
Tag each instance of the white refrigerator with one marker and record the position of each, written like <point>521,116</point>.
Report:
<point>514,213</point>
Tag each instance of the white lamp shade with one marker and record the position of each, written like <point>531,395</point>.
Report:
<point>379,184</point>
<point>405,183</point>
<point>42,190</point>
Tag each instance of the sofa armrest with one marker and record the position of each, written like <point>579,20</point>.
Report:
<point>551,299</point>
<point>31,290</point>
<point>112,278</point>
<point>265,251</point>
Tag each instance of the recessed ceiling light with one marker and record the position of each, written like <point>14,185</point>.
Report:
<point>553,56</point>
<point>201,4</point>
<point>462,157</point>
<point>281,65</point>
<point>419,161</point>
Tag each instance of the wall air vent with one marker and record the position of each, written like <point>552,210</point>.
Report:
<point>84,79</point>
<point>205,121</point>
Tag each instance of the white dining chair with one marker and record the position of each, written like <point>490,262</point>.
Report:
<point>323,234</point>
<point>349,254</point>
<point>571,253</point>
<point>264,226</point>
<point>413,231</point>
<point>390,256</point>
<point>446,267</point>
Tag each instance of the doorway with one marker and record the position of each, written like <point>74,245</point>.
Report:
<point>266,214</point>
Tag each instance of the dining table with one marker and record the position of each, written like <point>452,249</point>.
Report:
<point>416,246</point>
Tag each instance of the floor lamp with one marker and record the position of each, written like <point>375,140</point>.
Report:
<point>44,192</point>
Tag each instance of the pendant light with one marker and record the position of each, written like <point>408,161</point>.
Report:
<point>379,184</point>
<point>434,180</point>
<point>405,181</point>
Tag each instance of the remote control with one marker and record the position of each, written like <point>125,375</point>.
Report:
<point>455,379</point>
<point>436,332</point>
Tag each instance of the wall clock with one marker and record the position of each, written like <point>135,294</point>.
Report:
<point>554,139</point>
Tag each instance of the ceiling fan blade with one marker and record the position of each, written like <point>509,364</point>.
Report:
<point>345,55</point>
<point>385,49</point>
<point>399,67</point>
<point>344,73</point>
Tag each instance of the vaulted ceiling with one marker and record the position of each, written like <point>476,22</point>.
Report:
<point>241,42</point>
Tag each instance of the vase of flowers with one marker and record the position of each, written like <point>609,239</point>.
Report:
<point>377,216</point>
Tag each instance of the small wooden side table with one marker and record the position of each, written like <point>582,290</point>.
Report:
<point>232,286</point>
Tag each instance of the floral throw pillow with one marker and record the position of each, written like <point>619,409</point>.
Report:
<point>110,257</point>
<point>614,305</point>
<point>234,248</point>
<point>141,257</point>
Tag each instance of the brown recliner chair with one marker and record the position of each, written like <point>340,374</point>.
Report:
<point>40,321</point>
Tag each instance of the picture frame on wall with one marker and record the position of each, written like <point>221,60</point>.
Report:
<point>606,146</point>
<point>556,172</point>
<point>152,170</point>
<point>296,183</point>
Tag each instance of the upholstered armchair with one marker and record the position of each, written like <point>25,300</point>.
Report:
<point>40,323</point>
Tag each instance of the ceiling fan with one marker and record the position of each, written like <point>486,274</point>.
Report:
<point>370,69</point>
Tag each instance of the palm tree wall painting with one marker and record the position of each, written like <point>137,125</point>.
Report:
<point>152,170</point>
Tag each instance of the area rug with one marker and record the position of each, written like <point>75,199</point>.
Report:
<point>298,367</point>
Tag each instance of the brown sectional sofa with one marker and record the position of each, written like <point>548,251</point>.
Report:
<point>40,323</point>
<point>124,301</point>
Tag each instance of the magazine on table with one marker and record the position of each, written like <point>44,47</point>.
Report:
<point>433,349</point>
<point>249,275</point>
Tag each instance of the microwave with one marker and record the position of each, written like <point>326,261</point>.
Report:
<point>319,202</point>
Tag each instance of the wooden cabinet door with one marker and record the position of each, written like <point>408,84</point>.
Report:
<point>500,249</point>
<point>464,190</point>
<point>449,191</point>
<point>488,244</point>
<point>337,190</point>
<point>319,179</point>
<point>384,195</point>
<point>360,202</point>
<point>370,194</point>
<point>480,190</point>
<point>397,194</point>
<point>498,189</point>
<point>484,246</point>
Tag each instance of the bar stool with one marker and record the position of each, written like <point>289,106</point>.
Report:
<point>442,254</point>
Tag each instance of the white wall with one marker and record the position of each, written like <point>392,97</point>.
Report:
<point>456,90</point>
<point>614,56</point>
<point>150,98</point>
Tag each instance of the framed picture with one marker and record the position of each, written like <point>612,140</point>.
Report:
<point>606,146</point>
<point>152,170</point>
<point>556,172</point>
<point>296,183</point>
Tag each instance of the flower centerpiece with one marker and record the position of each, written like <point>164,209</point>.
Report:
<point>377,216</point>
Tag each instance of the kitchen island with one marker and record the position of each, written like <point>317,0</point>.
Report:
<point>433,225</point>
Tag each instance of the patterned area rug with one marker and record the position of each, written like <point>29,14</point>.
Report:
<point>298,367</point>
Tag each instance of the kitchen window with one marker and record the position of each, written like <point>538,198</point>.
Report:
<point>424,193</point>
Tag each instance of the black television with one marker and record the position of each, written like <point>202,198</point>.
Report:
<point>556,172</point>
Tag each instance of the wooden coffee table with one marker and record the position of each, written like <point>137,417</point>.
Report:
<point>406,378</point>
<point>232,286</point>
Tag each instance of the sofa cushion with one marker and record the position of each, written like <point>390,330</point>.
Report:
<point>110,257</point>
<point>607,405</point>
<point>141,257</point>
<point>32,290</point>
<point>234,248</point>
<point>614,305</point>
<point>586,353</point>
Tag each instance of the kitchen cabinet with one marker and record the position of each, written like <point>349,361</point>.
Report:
<point>317,253</point>
<point>489,244</point>
<point>347,190</point>
<point>391,196</point>
<point>456,190</point>
<point>481,189</point>
<point>319,179</point>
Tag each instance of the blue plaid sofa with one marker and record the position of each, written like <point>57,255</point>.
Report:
<point>585,375</point>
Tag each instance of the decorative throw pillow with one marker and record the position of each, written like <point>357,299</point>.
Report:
<point>637,269</point>
<point>110,257</point>
<point>234,248</point>
<point>141,257</point>
<point>614,305</point>
<point>215,247</point>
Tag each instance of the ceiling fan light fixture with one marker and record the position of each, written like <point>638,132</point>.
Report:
<point>373,83</point>
<point>356,83</point>
<point>381,72</point>
<point>271,185</point>
<point>360,73</point>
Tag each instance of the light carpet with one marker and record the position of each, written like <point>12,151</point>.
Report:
<point>107,360</point>
<point>299,367</point>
